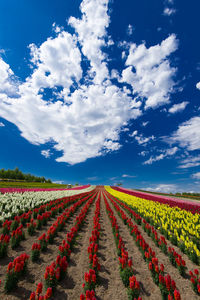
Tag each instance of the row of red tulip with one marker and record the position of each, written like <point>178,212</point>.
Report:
<point>57,270</point>
<point>58,225</point>
<point>15,270</point>
<point>166,284</point>
<point>92,277</point>
<point>195,280</point>
<point>126,269</point>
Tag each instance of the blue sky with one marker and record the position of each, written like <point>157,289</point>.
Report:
<point>102,92</point>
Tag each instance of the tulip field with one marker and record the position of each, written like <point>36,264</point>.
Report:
<point>98,242</point>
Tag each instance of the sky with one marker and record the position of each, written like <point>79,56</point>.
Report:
<point>102,92</point>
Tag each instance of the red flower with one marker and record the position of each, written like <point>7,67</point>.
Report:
<point>48,293</point>
<point>150,266</point>
<point>10,266</point>
<point>32,296</point>
<point>39,288</point>
<point>94,278</point>
<point>162,267</point>
<point>198,288</point>
<point>82,297</point>
<point>177,295</point>
<point>196,271</point>
<point>192,280</point>
<point>173,284</point>
<point>130,263</point>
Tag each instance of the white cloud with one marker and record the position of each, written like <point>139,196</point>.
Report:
<point>169,11</point>
<point>85,111</point>
<point>134,133</point>
<point>190,162</point>
<point>163,188</point>
<point>125,129</point>
<point>128,176</point>
<point>141,139</point>
<point>86,121</point>
<point>130,29</point>
<point>52,59</point>
<point>145,123</point>
<point>46,153</point>
<point>198,85</point>
<point>144,140</point>
<point>2,124</point>
<point>91,29</point>
<point>166,153</point>
<point>143,153</point>
<point>178,107</point>
<point>152,77</point>
<point>93,178</point>
<point>196,175</point>
<point>8,82</point>
<point>188,134</point>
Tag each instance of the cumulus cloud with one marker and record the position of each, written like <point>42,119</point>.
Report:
<point>46,153</point>
<point>196,175</point>
<point>198,85</point>
<point>169,11</point>
<point>166,153</point>
<point>79,109</point>
<point>188,134</point>
<point>149,72</point>
<point>178,107</point>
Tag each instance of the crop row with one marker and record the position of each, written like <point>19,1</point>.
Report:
<point>23,190</point>
<point>12,204</point>
<point>56,271</point>
<point>12,230</point>
<point>13,272</point>
<point>174,257</point>
<point>181,227</point>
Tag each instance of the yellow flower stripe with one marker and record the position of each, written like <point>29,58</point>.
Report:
<point>182,224</point>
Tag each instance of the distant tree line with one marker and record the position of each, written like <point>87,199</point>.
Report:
<point>16,174</point>
<point>187,194</point>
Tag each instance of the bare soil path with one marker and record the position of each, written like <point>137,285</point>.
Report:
<point>111,286</point>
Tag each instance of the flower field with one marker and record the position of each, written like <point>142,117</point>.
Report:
<point>97,243</point>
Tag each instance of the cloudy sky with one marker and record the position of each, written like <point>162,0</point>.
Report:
<point>100,92</point>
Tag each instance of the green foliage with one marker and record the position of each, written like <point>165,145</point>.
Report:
<point>16,174</point>
<point>125,274</point>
